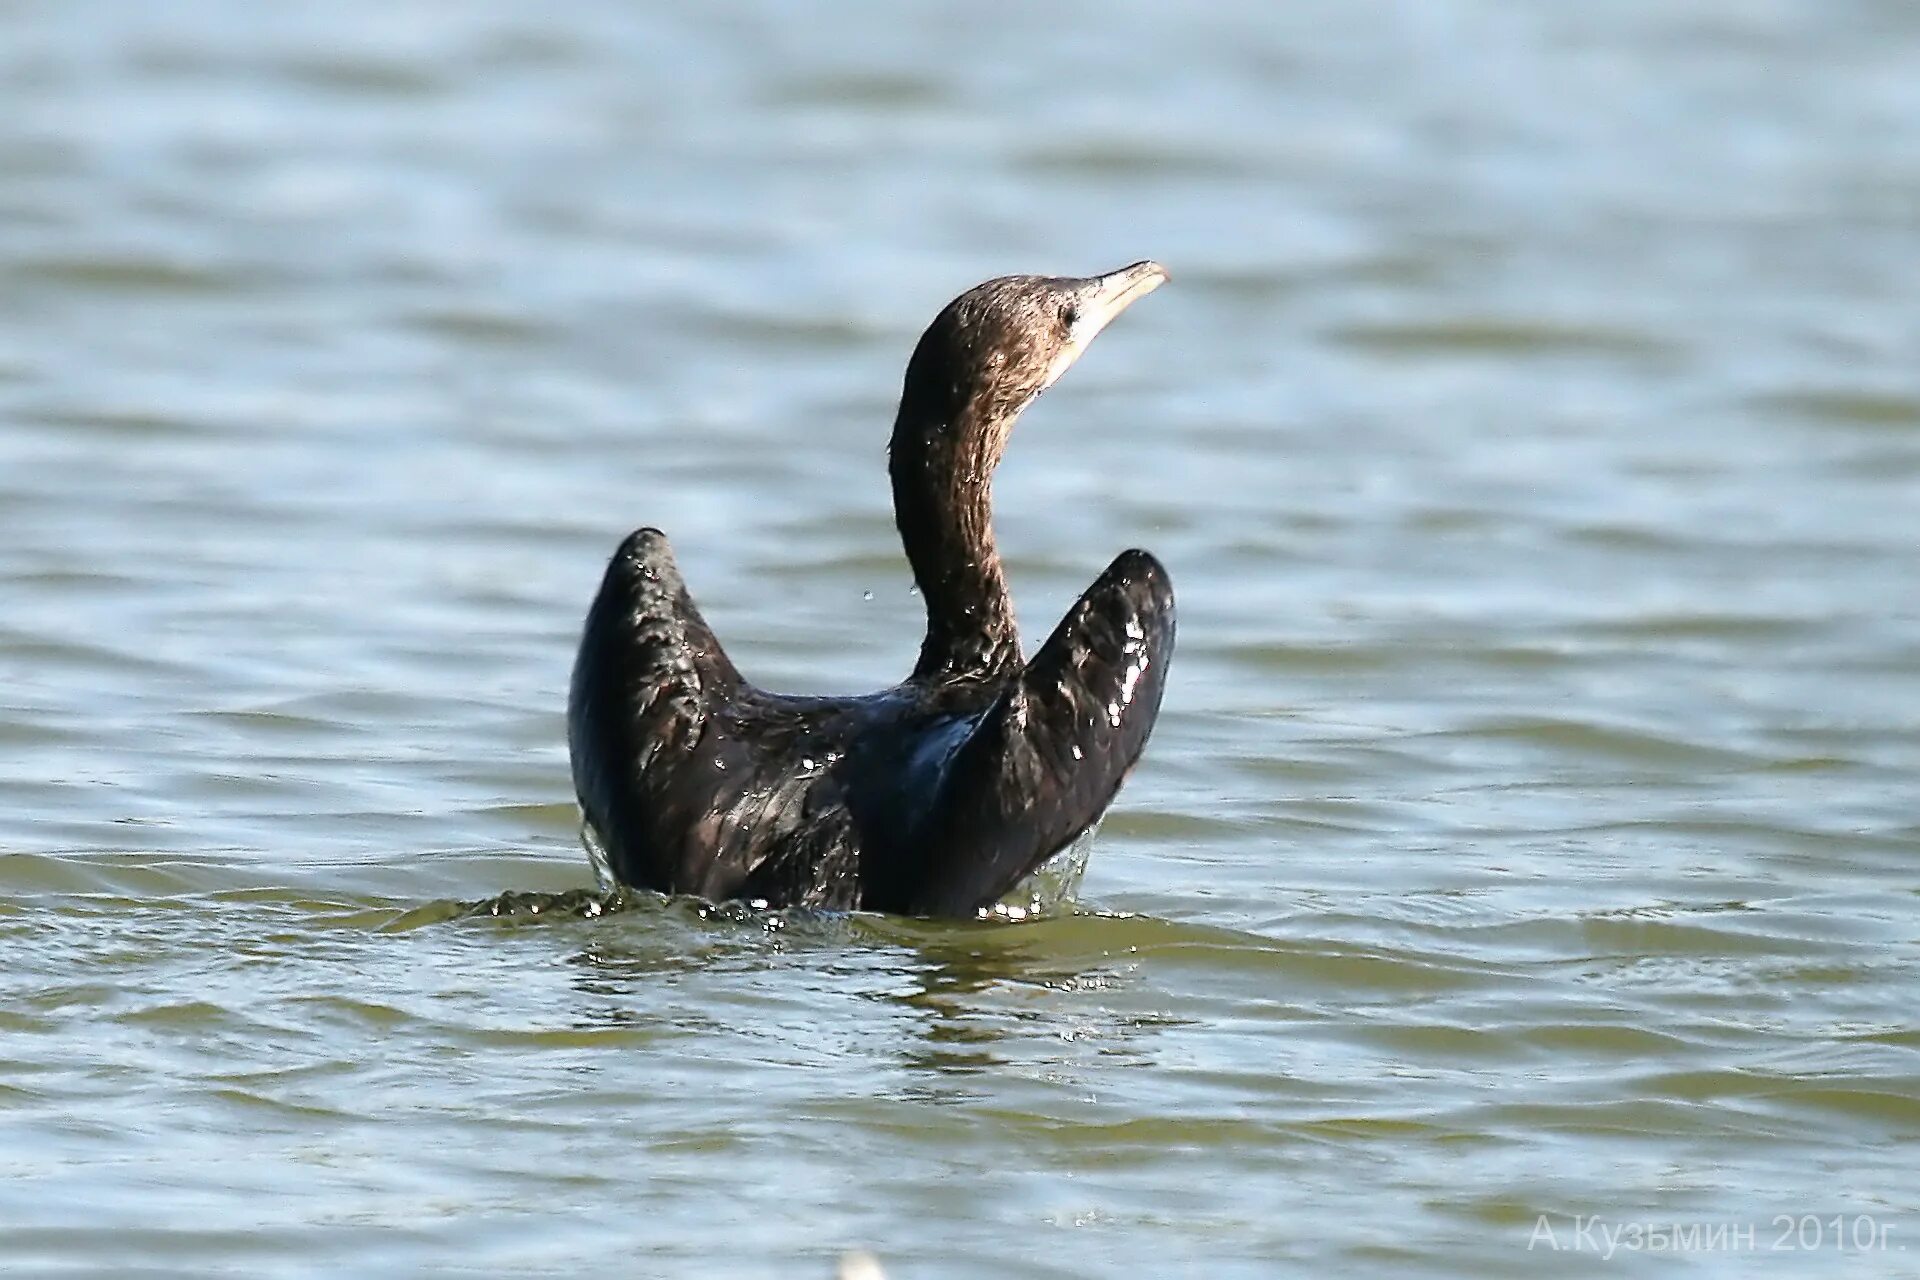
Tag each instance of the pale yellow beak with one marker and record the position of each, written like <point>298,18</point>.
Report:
<point>1097,300</point>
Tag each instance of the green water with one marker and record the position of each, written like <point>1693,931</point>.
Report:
<point>1532,430</point>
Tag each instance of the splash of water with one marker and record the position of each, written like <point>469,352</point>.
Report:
<point>597,855</point>
<point>1052,885</point>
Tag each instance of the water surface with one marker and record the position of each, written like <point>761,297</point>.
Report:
<point>1532,431</point>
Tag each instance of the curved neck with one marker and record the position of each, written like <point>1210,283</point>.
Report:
<point>943,504</point>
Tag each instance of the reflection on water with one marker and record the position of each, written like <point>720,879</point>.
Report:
<point>1532,432</point>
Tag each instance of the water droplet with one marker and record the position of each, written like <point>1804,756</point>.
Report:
<point>721,765</point>
<point>866,595</point>
<point>1076,752</point>
<point>806,762</point>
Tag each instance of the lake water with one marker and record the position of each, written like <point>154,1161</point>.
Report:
<point>1532,430</point>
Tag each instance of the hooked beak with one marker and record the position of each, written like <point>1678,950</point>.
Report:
<point>1098,299</point>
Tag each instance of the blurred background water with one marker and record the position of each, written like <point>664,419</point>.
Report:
<point>1533,433</point>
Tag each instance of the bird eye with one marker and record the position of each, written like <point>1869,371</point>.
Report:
<point>1069,315</point>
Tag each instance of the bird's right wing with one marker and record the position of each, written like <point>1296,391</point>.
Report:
<point>1048,756</point>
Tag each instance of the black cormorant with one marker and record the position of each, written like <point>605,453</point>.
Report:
<point>935,797</point>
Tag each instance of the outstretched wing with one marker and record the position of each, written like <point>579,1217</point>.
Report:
<point>1048,756</point>
<point>647,677</point>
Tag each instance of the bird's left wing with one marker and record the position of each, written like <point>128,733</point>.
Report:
<point>645,685</point>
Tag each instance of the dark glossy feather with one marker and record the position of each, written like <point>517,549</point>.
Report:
<point>935,797</point>
<point>1044,762</point>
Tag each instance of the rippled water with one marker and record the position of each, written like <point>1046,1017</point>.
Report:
<point>1532,431</point>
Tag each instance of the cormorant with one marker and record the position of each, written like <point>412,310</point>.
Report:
<point>935,797</point>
